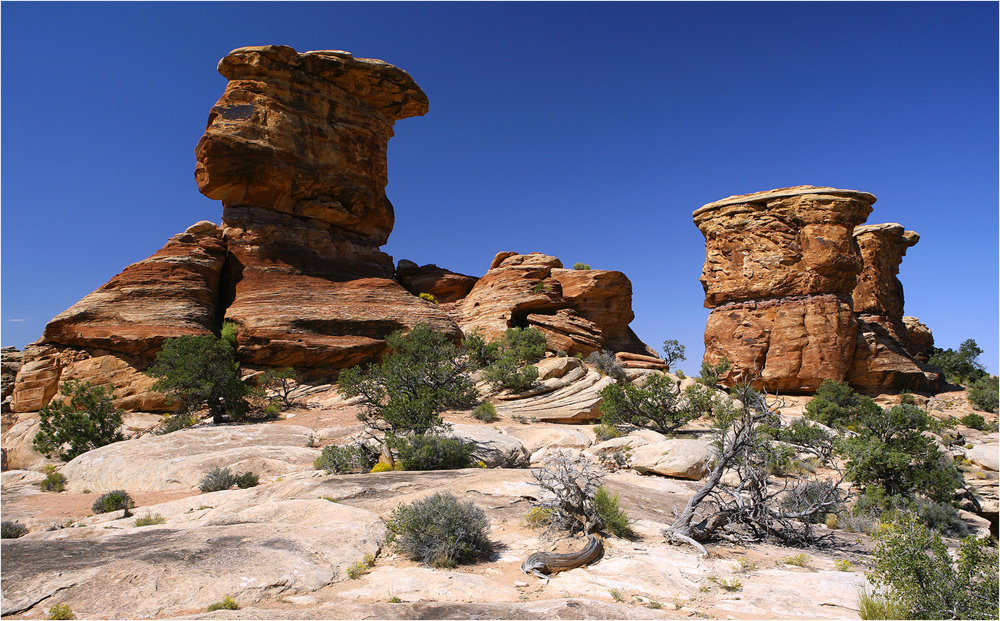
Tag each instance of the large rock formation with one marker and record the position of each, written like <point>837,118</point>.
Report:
<point>801,293</point>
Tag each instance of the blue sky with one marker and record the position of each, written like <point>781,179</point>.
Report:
<point>589,131</point>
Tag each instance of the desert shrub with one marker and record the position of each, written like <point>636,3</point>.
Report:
<point>175,422</point>
<point>150,519</point>
<point>429,297</point>
<point>538,517</point>
<point>975,421</point>
<point>607,364</point>
<point>227,603</point>
<point>710,374</point>
<point>54,481</point>
<point>540,287</point>
<point>200,371</point>
<point>878,606</point>
<point>247,480</point>
<point>673,352</point>
<point>229,332</point>
<point>486,412</point>
<point>12,530</point>
<point>914,567</point>
<point>606,432</point>
<point>655,405</point>
<point>962,366</point>
<point>843,564</point>
<point>581,266</point>
<point>347,459</point>
<point>508,368</point>
<point>568,485</point>
<point>440,531</point>
<point>728,585</point>
<point>803,497</point>
<point>798,560</point>
<point>217,479</point>
<point>421,376</point>
<point>85,420</point>
<point>427,452</point>
<point>700,400</point>
<point>889,451</point>
<point>356,570</point>
<point>983,395</point>
<point>381,467</point>
<point>838,405</point>
<point>61,611</point>
<point>613,517</point>
<point>282,382</point>
<point>115,500</point>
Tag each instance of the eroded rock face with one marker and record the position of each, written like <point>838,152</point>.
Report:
<point>444,285</point>
<point>882,247</point>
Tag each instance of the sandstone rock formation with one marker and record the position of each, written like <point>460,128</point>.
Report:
<point>444,285</point>
<point>800,292</point>
<point>579,311</point>
<point>12,360</point>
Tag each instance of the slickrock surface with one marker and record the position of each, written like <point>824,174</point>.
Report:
<point>801,291</point>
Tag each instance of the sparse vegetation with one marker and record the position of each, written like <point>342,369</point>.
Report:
<point>440,531</point>
<point>613,517</point>
<point>356,570</point>
<point>115,500</point>
<point>673,352</point>
<point>381,467</point>
<point>247,480</point>
<point>798,560</point>
<point>710,373</point>
<point>201,371</point>
<point>984,394</point>
<point>838,405</point>
<point>429,297</point>
<point>843,565</point>
<point>607,364</point>
<point>12,530</point>
<point>728,585</point>
<point>581,266</point>
<point>150,519</point>
<point>175,422</point>
<point>486,412</point>
<point>218,479</point>
<point>616,595</point>
<point>962,366</point>
<point>606,432</point>
<point>347,459</point>
<point>282,382</point>
<point>429,452</point>
<point>878,606</point>
<point>83,420</point>
<point>227,603</point>
<point>54,481</point>
<point>655,406</point>
<point>745,565</point>
<point>421,376</point>
<point>569,484</point>
<point>974,421</point>
<point>507,358</point>
<point>61,611</point>
<point>538,517</point>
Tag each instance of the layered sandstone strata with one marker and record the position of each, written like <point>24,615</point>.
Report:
<point>801,292</point>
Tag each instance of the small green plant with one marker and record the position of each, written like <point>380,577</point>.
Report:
<point>54,481</point>
<point>217,479</point>
<point>974,421</point>
<point>486,412</point>
<point>356,570</point>
<point>606,432</point>
<point>115,500</point>
<point>518,418</point>
<point>394,599</point>
<point>61,611</point>
<point>538,517</point>
<point>507,359</point>
<point>429,297</point>
<point>229,332</point>
<point>581,266</point>
<point>798,560</point>
<point>440,531</point>
<point>427,452</point>
<point>150,519</point>
<point>843,565</point>
<point>12,530</point>
<point>728,585</point>
<point>227,603</point>
<point>616,595</point>
<point>247,480</point>
<point>540,287</point>
<point>655,605</point>
<point>710,374</point>
<point>347,459</point>
<point>745,565</point>
<point>613,518</point>
<point>832,520</point>
<point>329,498</point>
<point>369,560</point>
<point>175,422</point>
<point>83,420</point>
<point>607,364</point>
<point>879,606</point>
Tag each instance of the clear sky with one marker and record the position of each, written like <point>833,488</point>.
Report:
<point>587,131</point>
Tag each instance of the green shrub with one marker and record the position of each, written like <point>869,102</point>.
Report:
<point>606,432</point>
<point>540,287</point>
<point>700,399</point>
<point>429,297</point>
<point>843,564</point>
<point>440,531</point>
<point>84,421</point>
<point>115,500</point>
<point>420,377</point>
<point>229,332</point>
<point>962,366</point>
<point>538,517</point>
<point>813,492</point>
<point>614,519</point>
<point>509,374</point>
<point>914,567</point>
<point>356,570</point>
<point>282,382</point>
<point>975,421</point>
<point>347,459</point>
<point>607,364</point>
<point>247,480</point>
<point>655,405</point>
<point>798,560</point>
<point>227,603</point>
<point>54,481</point>
<point>838,405</point>
<point>175,422</point>
<point>61,611</point>
<point>673,352</point>
<point>983,395</point>
<point>426,452</point>
<point>12,530</point>
<point>616,595</point>
<point>217,479</point>
<point>710,374</point>
<point>507,367</point>
<point>150,520</point>
<point>200,371</point>
<point>878,606</point>
<point>486,412</point>
<point>581,266</point>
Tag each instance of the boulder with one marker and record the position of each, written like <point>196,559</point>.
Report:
<point>882,247</point>
<point>881,359</point>
<point>491,446</point>
<point>568,332</point>
<point>179,461</point>
<point>683,459</point>
<point>573,398</point>
<point>534,438</point>
<point>444,285</point>
<point>603,297</point>
<point>920,338</point>
<point>985,455</point>
<point>557,366</point>
<point>10,363</point>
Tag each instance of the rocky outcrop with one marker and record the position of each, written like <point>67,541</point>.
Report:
<point>800,291</point>
<point>920,338</point>
<point>11,361</point>
<point>444,285</point>
<point>579,311</point>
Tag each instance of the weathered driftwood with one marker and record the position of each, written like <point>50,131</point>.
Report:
<point>541,563</point>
